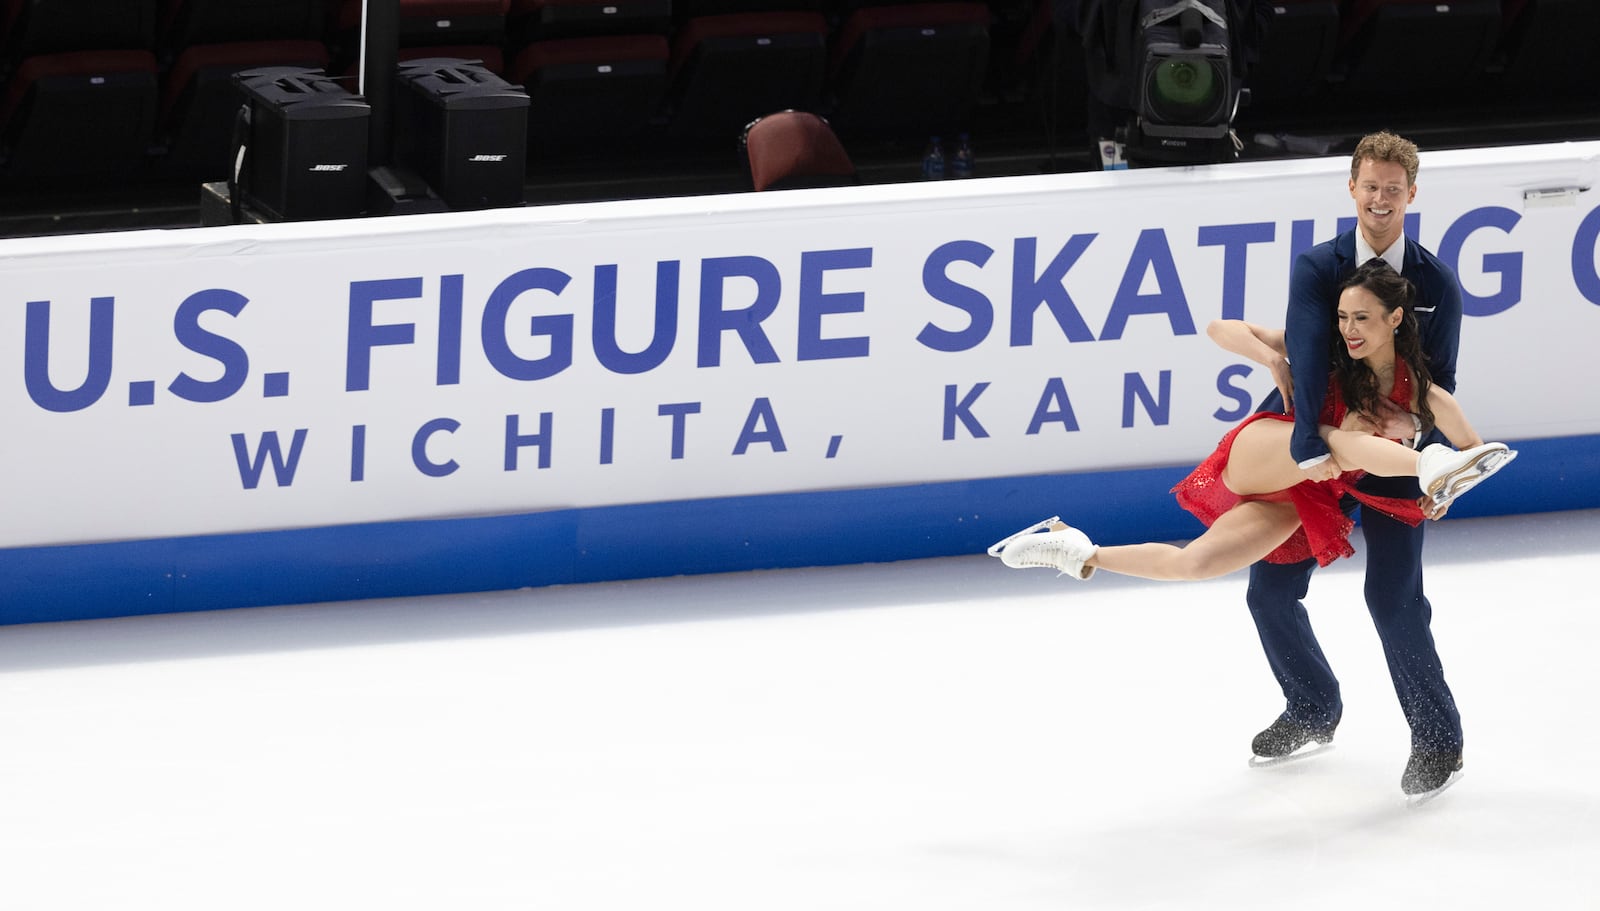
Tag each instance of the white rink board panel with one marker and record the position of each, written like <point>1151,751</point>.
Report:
<point>249,378</point>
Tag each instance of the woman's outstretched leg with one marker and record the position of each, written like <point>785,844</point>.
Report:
<point>1442,473</point>
<point>1357,449</point>
<point>1238,538</point>
<point>1259,462</point>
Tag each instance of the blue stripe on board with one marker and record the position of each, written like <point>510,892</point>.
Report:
<point>393,559</point>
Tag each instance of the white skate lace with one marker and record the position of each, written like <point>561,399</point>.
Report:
<point>1046,553</point>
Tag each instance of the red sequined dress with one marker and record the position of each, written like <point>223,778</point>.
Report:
<point>1324,530</point>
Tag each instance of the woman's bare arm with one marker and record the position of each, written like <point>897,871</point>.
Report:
<point>1451,419</point>
<point>1260,344</point>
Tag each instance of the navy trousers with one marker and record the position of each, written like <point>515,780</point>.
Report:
<point>1399,610</point>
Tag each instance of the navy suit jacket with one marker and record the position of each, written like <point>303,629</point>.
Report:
<point>1310,327</point>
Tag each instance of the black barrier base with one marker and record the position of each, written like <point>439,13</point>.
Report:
<point>390,191</point>
<point>395,190</point>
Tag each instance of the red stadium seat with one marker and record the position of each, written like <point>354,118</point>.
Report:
<point>584,91</point>
<point>1047,65</point>
<point>908,68</point>
<point>684,10</point>
<point>1297,51</point>
<point>424,23</point>
<point>199,98</point>
<point>1548,48</point>
<point>1417,48</point>
<point>544,20</point>
<point>489,56</point>
<point>191,22</point>
<point>34,27</point>
<point>727,70</point>
<point>436,22</point>
<point>83,114</point>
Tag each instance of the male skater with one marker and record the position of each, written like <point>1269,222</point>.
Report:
<point>1382,182</point>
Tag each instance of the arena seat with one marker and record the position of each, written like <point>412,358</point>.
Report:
<point>1297,51</point>
<point>33,27</point>
<point>1548,48</point>
<point>913,68</point>
<point>546,20</point>
<point>727,70</point>
<point>430,23</point>
<point>1417,48</point>
<point>584,91</point>
<point>88,114</point>
<point>193,22</point>
<point>199,98</point>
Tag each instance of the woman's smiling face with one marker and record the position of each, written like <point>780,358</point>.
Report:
<point>1367,328</point>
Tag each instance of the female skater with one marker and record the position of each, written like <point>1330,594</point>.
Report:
<point>1250,493</point>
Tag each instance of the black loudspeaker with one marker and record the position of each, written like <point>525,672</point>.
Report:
<point>464,129</point>
<point>304,146</point>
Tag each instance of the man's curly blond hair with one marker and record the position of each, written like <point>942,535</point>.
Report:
<point>1386,146</point>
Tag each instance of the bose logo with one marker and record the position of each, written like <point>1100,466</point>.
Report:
<point>329,167</point>
<point>487,158</point>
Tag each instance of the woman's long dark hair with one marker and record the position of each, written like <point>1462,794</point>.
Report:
<point>1358,383</point>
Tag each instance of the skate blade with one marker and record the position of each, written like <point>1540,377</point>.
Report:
<point>996,547</point>
<point>1414,801</point>
<point>1469,476</point>
<point>1267,762</point>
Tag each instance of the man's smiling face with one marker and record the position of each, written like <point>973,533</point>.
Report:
<point>1381,192</point>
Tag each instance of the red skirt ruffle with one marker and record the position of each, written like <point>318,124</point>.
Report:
<point>1324,530</point>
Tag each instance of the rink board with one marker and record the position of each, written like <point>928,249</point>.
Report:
<point>296,413</point>
<point>442,556</point>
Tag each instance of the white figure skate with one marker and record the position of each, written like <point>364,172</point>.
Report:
<point>1445,474</point>
<point>998,546</point>
<point>1036,546</point>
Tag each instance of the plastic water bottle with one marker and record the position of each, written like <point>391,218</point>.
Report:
<point>961,164</point>
<point>933,160</point>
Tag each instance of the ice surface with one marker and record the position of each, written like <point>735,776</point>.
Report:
<point>936,734</point>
